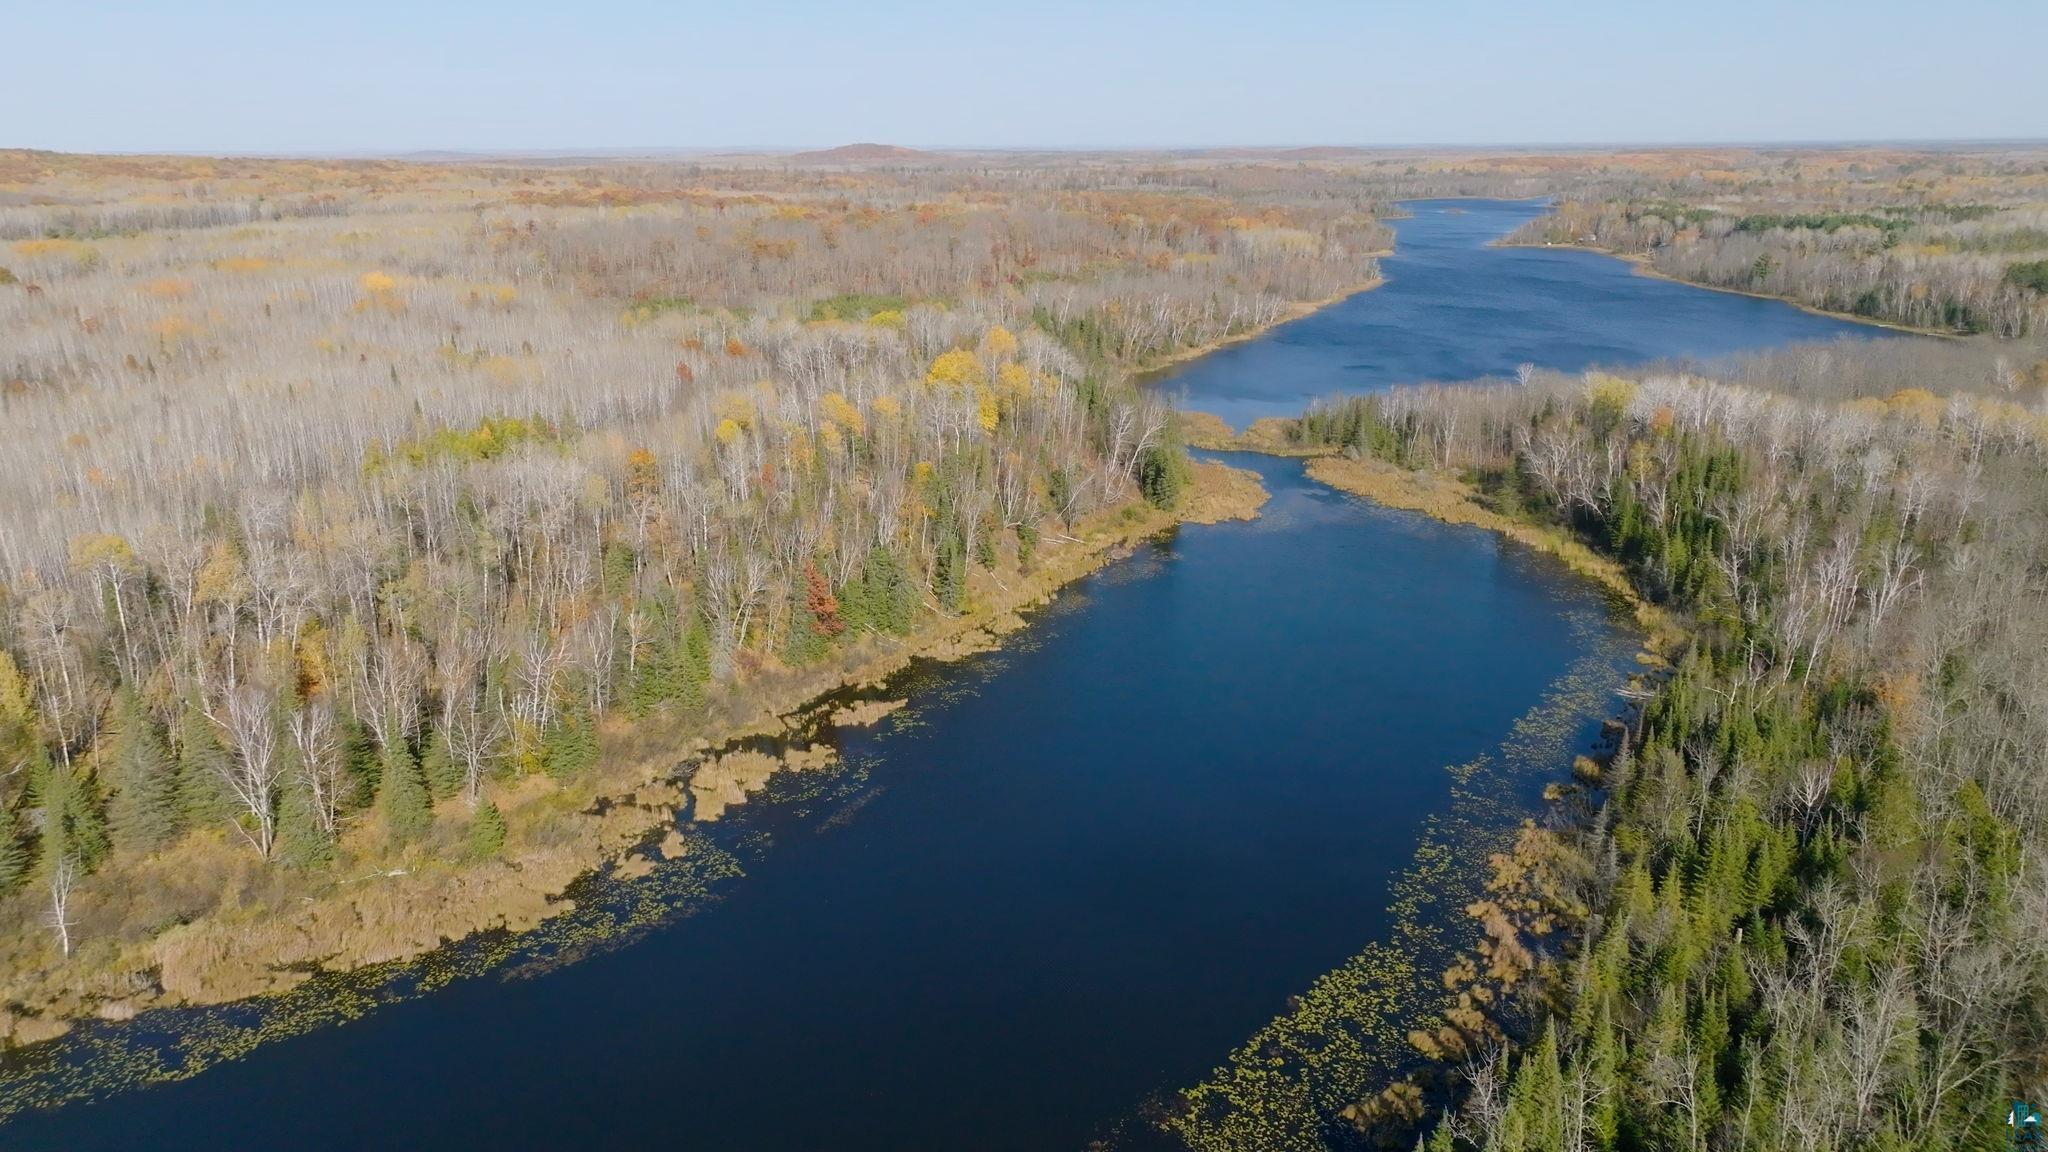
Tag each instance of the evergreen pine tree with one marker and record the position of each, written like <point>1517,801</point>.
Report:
<point>144,809</point>
<point>402,791</point>
<point>1059,490</point>
<point>889,598</point>
<point>949,570</point>
<point>440,767</point>
<point>803,645</point>
<point>1163,472</point>
<point>1027,545</point>
<point>1603,1060</point>
<point>46,791</point>
<point>695,662</point>
<point>14,859</point>
<point>657,673</point>
<point>985,553</point>
<point>202,799</point>
<point>487,831</point>
<point>73,825</point>
<point>675,665</point>
<point>1536,1100</point>
<point>616,567</point>
<point>571,745</point>
<point>364,762</point>
<point>87,812</point>
<point>301,841</point>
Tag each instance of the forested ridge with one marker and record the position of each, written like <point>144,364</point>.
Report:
<point>346,505</point>
<point>1800,905</point>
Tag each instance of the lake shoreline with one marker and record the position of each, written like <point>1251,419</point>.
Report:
<point>1155,368</point>
<point>1385,1006</point>
<point>1450,500</point>
<point>250,953</point>
<point>1641,264</point>
<point>401,913</point>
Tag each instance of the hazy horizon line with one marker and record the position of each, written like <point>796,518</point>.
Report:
<point>600,152</point>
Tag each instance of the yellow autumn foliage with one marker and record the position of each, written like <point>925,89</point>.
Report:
<point>1014,381</point>
<point>221,579</point>
<point>17,704</point>
<point>800,452</point>
<point>1613,392</point>
<point>841,411</point>
<point>95,548</point>
<point>1916,404</point>
<point>999,344</point>
<point>735,408</point>
<point>957,369</point>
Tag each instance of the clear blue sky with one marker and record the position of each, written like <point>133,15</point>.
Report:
<point>279,75</point>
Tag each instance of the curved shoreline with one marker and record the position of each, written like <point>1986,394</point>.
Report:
<point>408,912</point>
<point>1149,374</point>
<point>1642,266</point>
<point>665,862</point>
<point>1346,1050</point>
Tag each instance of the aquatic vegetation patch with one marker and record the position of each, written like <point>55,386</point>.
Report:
<point>1360,1029</point>
<point>100,1059</point>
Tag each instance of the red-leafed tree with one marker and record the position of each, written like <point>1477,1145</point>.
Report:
<point>824,606</point>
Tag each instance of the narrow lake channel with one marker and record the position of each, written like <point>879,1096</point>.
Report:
<point>1070,877</point>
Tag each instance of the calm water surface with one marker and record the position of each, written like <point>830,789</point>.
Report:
<point>1074,874</point>
<point>1455,308</point>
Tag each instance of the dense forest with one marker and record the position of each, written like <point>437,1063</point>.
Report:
<point>1800,904</point>
<point>346,504</point>
<point>1955,243</point>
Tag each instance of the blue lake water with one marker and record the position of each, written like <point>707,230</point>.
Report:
<point>1067,880</point>
<point>1456,307</point>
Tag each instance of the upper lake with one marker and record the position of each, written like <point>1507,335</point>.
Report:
<point>1070,877</point>
<point>1456,306</point>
